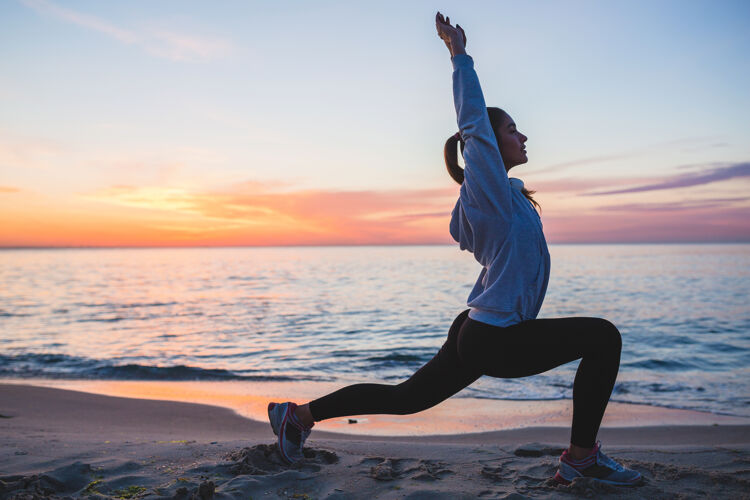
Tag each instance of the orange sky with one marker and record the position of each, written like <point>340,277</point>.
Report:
<point>132,216</point>
<point>254,213</point>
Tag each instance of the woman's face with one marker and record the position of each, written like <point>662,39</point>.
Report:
<point>512,144</point>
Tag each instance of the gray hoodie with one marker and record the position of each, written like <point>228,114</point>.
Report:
<point>492,218</point>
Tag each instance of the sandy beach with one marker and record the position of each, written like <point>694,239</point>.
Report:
<point>57,443</point>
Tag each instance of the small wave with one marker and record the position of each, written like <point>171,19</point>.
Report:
<point>7,314</point>
<point>722,347</point>
<point>653,387</point>
<point>674,365</point>
<point>670,340</point>
<point>130,305</point>
<point>247,278</point>
<point>659,364</point>
<point>655,403</point>
<point>45,365</point>
<point>395,360</point>
<point>178,372</point>
<point>396,357</point>
<point>100,320</point>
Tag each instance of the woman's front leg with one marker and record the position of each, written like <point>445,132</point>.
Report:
<point>536,346</point>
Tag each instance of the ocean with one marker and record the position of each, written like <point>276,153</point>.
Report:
<point>368,314</point>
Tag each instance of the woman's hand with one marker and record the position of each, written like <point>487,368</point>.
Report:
<point>454,38</point>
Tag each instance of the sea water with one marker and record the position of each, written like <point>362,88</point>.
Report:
<point>368,314</point>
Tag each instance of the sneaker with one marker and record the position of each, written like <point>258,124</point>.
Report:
<point>597,466</point>
<point>292,434</point>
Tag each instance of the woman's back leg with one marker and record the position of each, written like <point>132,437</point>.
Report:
<point>442,376</point>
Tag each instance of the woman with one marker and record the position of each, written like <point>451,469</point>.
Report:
<point>494,218</point>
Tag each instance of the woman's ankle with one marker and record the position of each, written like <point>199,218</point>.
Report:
<point>302,412</point>
<point>578,452</point>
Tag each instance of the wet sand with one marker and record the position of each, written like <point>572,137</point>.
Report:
<point>57,443</point>
<point>456,415</point>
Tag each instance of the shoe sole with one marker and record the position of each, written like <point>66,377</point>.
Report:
<point>566,482</point>
<point>271,406</point>
<point>283,454</point>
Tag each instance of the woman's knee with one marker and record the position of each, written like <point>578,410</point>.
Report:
<point>609,335</point>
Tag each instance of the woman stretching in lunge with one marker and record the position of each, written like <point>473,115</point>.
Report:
<point>498,335</point>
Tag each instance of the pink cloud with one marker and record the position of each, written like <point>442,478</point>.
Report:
<point>573,184</point>
<point>677,205</point>
<point>716,174</point>
<point>693,143</point>
<point>691,225</point>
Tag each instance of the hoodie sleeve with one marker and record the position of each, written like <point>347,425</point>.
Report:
<point>485,193</point>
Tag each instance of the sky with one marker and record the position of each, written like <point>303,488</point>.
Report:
<point>179,123</point>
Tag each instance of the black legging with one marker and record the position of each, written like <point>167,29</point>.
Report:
<point>474,349</point>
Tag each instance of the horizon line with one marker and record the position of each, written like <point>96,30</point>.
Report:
<point>151,247</point>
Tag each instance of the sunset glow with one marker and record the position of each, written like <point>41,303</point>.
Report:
<point>140,127</point>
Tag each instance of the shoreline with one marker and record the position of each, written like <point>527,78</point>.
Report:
<point>456,415</point>
<point>58,442</point>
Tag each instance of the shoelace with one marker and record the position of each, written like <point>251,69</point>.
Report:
<point>605,460</point>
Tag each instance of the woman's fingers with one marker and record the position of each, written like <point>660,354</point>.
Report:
<point>445,22</point>
<point>442,20</point>
<point>445,30</point>
<point>463,34</point>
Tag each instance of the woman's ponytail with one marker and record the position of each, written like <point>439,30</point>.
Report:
<point>451,157</point>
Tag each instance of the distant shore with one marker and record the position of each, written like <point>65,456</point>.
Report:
<point>56,442</point>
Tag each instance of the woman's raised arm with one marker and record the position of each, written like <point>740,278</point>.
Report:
<point>486,188</point>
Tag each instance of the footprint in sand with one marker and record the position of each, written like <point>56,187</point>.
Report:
<point>263,459</point>
<point>389,469</point>
<point>538,450</point>
<point>495,474</point>
<point>429,470</point>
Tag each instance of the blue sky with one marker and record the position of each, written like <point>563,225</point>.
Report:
<point>355,96</point>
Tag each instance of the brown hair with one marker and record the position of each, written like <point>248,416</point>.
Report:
<point>451,155</point>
